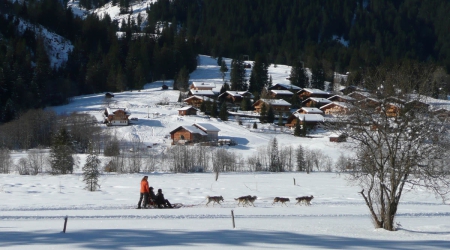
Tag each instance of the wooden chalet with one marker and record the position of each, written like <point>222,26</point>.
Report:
<point>315,102</point>
<point>188,110</point>
<point>306,93</point>
<point>309,110</point>
<point>391,109</point>
<point>118,117</point>
<point>416,104</point>
<point>336,108</point>
<point>196,101</point>
<point>442,113</point>
<point>280,94</point>
<point>234,96</point>
<point>187,134</point>
<point>305,119</point>
<point>349,89</point>
<point>211,131</point>
<point>281,86</point>
<point>278,105</point>
<point>202,86</point>
<point>342,98</point>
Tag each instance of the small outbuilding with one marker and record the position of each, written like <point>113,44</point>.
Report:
<point>188,110</point>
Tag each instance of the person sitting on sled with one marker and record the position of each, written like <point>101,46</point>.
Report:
<point>161,201</point>
<point>152,197</point>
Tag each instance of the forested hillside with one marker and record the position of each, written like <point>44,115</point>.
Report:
<point>347,35</point>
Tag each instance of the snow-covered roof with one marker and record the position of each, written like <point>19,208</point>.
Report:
<point>204,84</point>
<point>194,129</point>
<point>318,99</point>
<point>341,104</point>
<point>309,117</point>
<point>187,107</point>
<point>207,127</point>
<point>345,97</point>
<point>311,110</point>
<point>287,86</point>
<point>204,98</point>
<point>281,92</point>
<point>366,94</point>
<point>202,92</point>
<point>315,91</point>
<point>277,102</point>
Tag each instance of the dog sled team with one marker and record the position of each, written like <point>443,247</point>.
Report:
<point>148,199</point>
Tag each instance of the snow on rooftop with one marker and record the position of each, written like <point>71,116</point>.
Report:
<point>207,127</point>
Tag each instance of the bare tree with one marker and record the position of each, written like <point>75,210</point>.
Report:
<point>23,167</point>
<point>5,161</point>
<point>398,140</point>
<point>36,160</point>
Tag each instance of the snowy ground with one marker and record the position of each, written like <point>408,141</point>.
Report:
<point>33,208</point>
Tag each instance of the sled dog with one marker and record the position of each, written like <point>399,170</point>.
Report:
<point>280,199</point>
<point>214,199</point>
<point>246,200</point>
<point>304,199</point>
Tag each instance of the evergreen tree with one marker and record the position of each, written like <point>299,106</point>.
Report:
<point>90,169</point>
<point>214,109</point>
<point>237,75</point>
<point>183,79</point>
<point>203,106</point>
<point>225,87</point>
<point>318,77</point>
<point>297,130</point>
<point>246,104</point>
<point>255,126</point>
<point>259,76</point>
<point>298,75</point>
<point>270,114</point>
<point>219,61</point>
<point>274,157</point>
<point>295,101</point>
<point>304,129</point>
<point>61,160</point>
<point>223,114</point>
<point>300,153</point>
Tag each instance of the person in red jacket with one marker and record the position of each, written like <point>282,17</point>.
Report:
<point>144,193</point>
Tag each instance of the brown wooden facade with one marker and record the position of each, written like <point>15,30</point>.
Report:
<point>279,106</point>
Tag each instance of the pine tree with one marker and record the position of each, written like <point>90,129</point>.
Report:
<point>245,104</point>
<point>274,158</point>
<point>223,114</point>
<point>300,158</point>
<point>263,113</point>
<point>219,61</point>
<point>183,79</point>
<point>223,69</point>
<point>318,77</point>
<point>298,75</point>
<point>203,106</point>
<point>259,76</point>
<point>90,169</point>
<point>237,75</point>
<point>61,160</point>
<point>255,126</point>
<point>214,109</point>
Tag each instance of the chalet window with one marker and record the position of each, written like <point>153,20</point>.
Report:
<point>181,137</point>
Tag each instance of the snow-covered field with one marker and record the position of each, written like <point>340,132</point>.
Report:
<point>32,208</point>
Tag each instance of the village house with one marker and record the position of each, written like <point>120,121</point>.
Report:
<point>187,134</point>
<point>281,94</point>
<point>211,131</point>
<point>349,89</point>
<point>309,110</point>
<point>188,110</point>
<point>234,96</point>
<point>306,93</point>
<point>442,113</point>
<point>278,105</point>
<point>118,117</point>
<point>310,120</point>
<point>281,86</point>
<point>202,86</point>
<point>360,95</point>
<point>196,101</point>
<point>336,108</point>
<point>315,102</point>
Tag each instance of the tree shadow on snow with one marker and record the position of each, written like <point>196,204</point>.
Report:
<point>124,239</point>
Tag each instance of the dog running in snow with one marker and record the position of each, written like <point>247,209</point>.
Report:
<point>281,199</point>
<point>304,199</point>
<point>214,199</point>
<point>246,200</point>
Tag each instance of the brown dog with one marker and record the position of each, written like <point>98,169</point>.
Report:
<point>281,199</point>
<point>304,199</point>
<point>246,200</point>
<point>214,199</point>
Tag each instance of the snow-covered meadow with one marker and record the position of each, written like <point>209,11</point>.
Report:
<point>33,207</point>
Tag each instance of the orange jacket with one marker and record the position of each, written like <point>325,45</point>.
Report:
<point>144,186</point>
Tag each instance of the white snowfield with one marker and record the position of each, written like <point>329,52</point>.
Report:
<point>33,209</point>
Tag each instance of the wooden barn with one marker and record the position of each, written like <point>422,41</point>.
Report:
<point>189,110</point>
<point>187,134</point>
